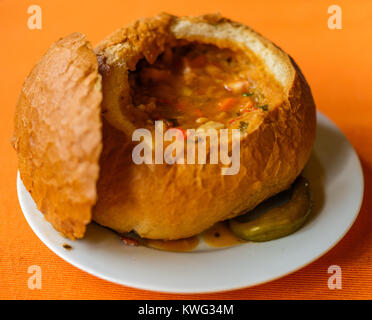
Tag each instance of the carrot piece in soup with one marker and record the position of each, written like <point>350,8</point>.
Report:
<point>198,112</point>
<point>227,104</point>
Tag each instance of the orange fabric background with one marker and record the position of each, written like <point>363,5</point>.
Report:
<point>337,64</point>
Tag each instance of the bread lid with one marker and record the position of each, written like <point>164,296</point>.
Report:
<point>58,133</point>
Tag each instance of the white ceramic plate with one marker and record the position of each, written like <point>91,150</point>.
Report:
<point>336,179</point>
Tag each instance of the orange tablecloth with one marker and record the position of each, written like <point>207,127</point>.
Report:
<point>337,64</point>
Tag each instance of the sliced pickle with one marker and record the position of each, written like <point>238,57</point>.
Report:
<point>265,224</point>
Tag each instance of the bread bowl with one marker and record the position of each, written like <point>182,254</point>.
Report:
<point>63,105</point>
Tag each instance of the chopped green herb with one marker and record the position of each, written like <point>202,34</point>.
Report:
<point>247,94</point>
<point>264,107</point>
<point>243,126</point>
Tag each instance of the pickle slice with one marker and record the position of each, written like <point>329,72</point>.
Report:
<point>277,221</point>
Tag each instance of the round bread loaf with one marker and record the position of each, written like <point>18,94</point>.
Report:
<point>160,201</point>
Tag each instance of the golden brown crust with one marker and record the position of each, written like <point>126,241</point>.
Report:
<point>58,134</point>
<point>58,138</point>
<point>171,202</point>
<point>117,55</point>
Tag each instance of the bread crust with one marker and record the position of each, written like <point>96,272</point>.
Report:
<point>58,134</point>
<point>172,202</point>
